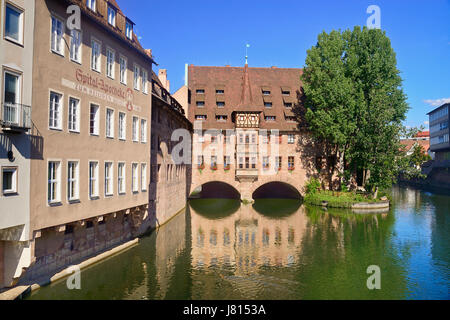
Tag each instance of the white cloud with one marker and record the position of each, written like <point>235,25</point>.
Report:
<point>437,102</point>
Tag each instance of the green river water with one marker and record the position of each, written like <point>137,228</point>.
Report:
<point>281,249</point>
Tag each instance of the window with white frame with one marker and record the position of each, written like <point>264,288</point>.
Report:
<point>9,180</point>
<point>13,24</point>
<point>136,77</point>
<point>144,81</point>
<point>291,139</point>
<point>123,70</point>
<point>110,63</point>
<point>112,16</point>
<point>74,115</point>
<point>91,4</point>
<point>94,123</point>
<point>135,177</point>
<point>122,126</point>
<point>135,129</point>
<point>11,96</point>
<point>54,181</point>
<point>144,177</point>
<point>93,179</point>
<point>129,30</point>
<point>143,131</point>
<point>95,56</point>
<point>75,46</point>
<point>109,185</point>
<point>57,42</point>
<point>121,178</point>
<point>55,111</point>
<point>73,181</point>
<point>109,123</point>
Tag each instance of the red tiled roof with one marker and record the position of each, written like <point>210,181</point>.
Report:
<point>408,144</point>
<point>423,134</point>
<point>243,88</point>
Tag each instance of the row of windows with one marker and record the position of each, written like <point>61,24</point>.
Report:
<point>249,162</point>
<point>138,180</point>
<point>140,75</point>
<point>221,104</point>
<point>439,127</point>
<point>249,139</point>
<point>112,13</point>
<point>439,114</point>
<point>265,91</point>
<point>56,115</point>
<point>441,139</point>
<point>222,118</point>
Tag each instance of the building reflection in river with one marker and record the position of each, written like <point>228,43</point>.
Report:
<point>246,240</point>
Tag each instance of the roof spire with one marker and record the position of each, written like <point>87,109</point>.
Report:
<point>246,53</point>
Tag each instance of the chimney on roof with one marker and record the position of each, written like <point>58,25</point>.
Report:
<point>162,75</point>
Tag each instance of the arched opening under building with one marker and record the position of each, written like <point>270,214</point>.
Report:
<point>277,200</point>
<point>215,190</point>
<point>276,190</point>
<point>215,200</point>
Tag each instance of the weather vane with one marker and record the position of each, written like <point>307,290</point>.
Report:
<point>246,53</point>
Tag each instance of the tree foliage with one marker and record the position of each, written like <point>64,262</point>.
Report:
<point>355,101</point>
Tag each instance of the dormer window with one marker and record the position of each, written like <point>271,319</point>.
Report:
<point>285,91</point>
<point>266,91</point>
<point>112,16</point>
<point>129,30</point>
<point>91,4</point>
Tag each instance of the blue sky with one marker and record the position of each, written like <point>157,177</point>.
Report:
<point>214,32</point>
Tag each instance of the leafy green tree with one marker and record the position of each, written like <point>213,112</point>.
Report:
<point>329,98</point>
<point>355,102</point>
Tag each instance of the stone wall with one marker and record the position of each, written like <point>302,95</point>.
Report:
<point>58,248</point>
<point>170,181</point>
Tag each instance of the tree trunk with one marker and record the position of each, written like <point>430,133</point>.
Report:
<point>341,167</point>
<point>375,195</point>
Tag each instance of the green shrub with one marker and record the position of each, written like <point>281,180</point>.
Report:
<point>313,186</point>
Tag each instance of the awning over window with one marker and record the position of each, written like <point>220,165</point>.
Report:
<point>285,89</point>
<point>264,88</point>
<point>221,113</point>
<point>270,113</point>
<point>289,113</point>
<point>220,87</point>
<point>267,99</point>
<point>288,99</point>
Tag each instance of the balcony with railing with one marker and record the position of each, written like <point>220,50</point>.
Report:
<point>15,117</point>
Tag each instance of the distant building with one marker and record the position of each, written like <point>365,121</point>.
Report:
<point>439,135</point>
<point>421,139</point>
<point>245,112</point>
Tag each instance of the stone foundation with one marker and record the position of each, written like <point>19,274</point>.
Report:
<point>60,247</point>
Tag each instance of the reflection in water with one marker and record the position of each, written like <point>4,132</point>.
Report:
<point>281,250</point>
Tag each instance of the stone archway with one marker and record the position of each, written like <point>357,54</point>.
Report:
<point>276,189</point>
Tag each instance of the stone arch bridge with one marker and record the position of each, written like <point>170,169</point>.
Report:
<point>248,183</point>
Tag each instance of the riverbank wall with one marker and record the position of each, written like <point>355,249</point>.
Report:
<point>438,180</point>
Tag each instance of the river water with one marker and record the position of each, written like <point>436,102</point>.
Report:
<point>281,249</point>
